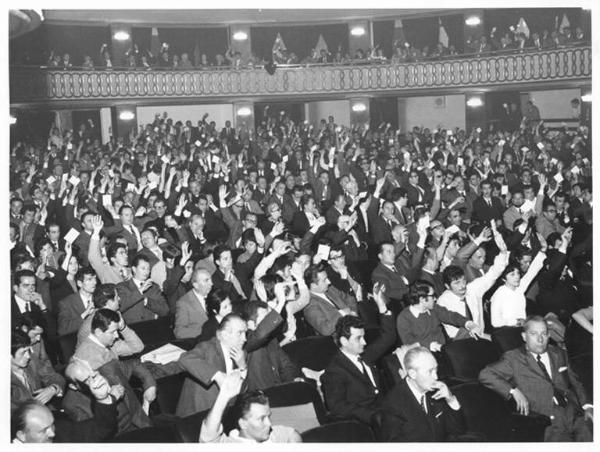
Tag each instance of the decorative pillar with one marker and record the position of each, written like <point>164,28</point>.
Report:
<point>243,116</point>
<point>240,40</point>
<point>473,28</point>
<point>105,125</point>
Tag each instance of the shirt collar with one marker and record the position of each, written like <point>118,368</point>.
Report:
<point>416,392</point>
<point>95,340</point>
<point>21,303</point>
<point>415,312</point>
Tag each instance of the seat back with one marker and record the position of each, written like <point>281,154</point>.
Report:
<point>507,338</point>
<point>339,432</point>
<point>161,434</point>
<point>467,357</point>
<point>154,332</point>
<point>314,352</point>
<point>67,344</point>
<point>485,411</point>
<point>168,390</point>
<point>296,404</point>
<point>187,429</point>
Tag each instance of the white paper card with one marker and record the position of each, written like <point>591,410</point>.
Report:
<point>165,159</point>
<point>452,229</point>
<point>51,180</point>
<point>431,165</point>
<point>558,177</point>
<point>540,146</point>
<point>460,161</point>
<point>215,159</point>
<point>106,200</point>
<point>575,170</point>
<point>197,143</point>
<point>501,143</point>
<point>74,180</point>
<point>71,235</point>
<point>285,158</point>
<point>273,166</point>
<point>504,190</point>
<point>323,252</point>
<point>131,187</point>
<point>553,161</point>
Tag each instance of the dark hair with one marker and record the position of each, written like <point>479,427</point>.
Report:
<point>552,238</point>
<point>28,208</point>
<point>29,320</point>
<point>39,244</point>
<point>269,280</point>
<point>18,339</point>
<point>214,300</point>
<point>123,207</point>
<point>343,325</point>
<point>103,294</point>
<point>397,193</point>
<point>113,249</point>
<point>80,275</point>
<point>420,289</point>
<point>248,235</point>
<point>244,401</point>
<point>511,267</point>
<point>452,273</point>
<point>219,249</point>
<point>381,245</point>
<point>85,214</point>
<point>533,318</point>
<point>251,309</point>
<point>311,273</point>
<point>22,274</point>
<point>137,259</point>
<point>304,200</point>
<point>103,318</point>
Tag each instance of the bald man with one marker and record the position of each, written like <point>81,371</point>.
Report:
<point>33,422</point>
<point>190,310</point>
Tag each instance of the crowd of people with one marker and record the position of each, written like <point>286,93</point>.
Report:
<point>246,241</point>
<point>510,39</point>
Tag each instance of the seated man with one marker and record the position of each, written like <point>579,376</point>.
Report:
<point>327,304</point>
<point>106,297</point>
<point>540,379</point>
<point>32,422</point>
<point>421,322</point>
<point>412,413</point>
<point>190,310</point>
<point>224,276</point>
<point>32,376</point>
<point>252,413</point>
<point>141,298</point>
<point>75,308</point>
<point>351,385</point>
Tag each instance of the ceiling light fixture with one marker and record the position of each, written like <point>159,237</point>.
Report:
<point>244,111</point>
<point>473,21</point>
<point>121,36</point>
<point>240,36</point>
<point>357,31</point>
<point>126,115</point>
<point>475,102</point>
<point>358,108</point>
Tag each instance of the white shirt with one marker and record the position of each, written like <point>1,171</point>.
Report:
<point>545,360</point>
<point>416,392</point>
<point>95,340</point>
<point>201,299</point>
<point>508,305</point>
<point>22,304</point>
<point>474,295</point>
<point>356,362</point>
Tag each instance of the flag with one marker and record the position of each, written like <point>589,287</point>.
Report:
<point>564,23</point>
<point>279,45</point>
<point>321,45</point>
<point>522,27</point>
<point>399,39</point>
<point>443,36</point>
<point>155,43</point>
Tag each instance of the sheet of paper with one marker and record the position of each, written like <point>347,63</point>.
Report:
<point>71,235</point>
<point>558,177</point>
<point>74,180</point>
<point>106,200</point>
<point>51,180</point>
<point>165,159</point>
<point>323,252</point>
<point>504,190</point>
<point>452,229</point>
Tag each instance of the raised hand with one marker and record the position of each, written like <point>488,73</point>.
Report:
<point>97,223</point>
<point>186,253</point>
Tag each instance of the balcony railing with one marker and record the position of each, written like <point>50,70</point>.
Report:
<point>33,85</point>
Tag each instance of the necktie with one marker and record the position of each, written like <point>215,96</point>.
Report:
<point>543,367</point>
<point>423,403</point>
<point>28,307</point>
<point>559,397</point>
<point>364,371</point>
<point>469,314</point>
<point>394,269</point>
<point>234,364</point>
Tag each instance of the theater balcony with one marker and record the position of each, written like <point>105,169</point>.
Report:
<point>58,88</point>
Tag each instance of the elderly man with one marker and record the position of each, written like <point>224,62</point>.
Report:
<point>420,407</point>
<point>190,310</point>
<point>540,379</point>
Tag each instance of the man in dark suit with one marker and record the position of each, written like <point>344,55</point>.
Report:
<point>381,225</point>
<point>209,362</point>
<point>26,299</point>
<point>75,308</point>
<point>29,230</point>
<point>351,384</point>
<point>412,413</point>
<point>540,379</point>
<point>125,228</point>
<point>396,283</point>
<point>486,207</point>
<point>291,203</point>
<point>338,208</point>
<point>141,298</point>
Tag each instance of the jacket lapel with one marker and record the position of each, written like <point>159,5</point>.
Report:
<point>350,367</point>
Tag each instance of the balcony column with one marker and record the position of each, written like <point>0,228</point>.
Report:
<point>124,120</point>
<point>237,41</point>
<point>359,36</point>
<point>473,27</point>
<point>360,113</point>
<point>121,42</point>
<point>243,117</point>
<point>106,129</point>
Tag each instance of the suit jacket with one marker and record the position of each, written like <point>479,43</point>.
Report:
<point>15,313</point>
<point>101,427</point>
<point>190,316</point>
<point>300,224</point>
<point>405,420</point>
<point>132,302</point>
<point>82,242</point>
<point>323,316</point>
<point>289,208</point>
<point>69,314</point>
<point>518,368</point>
<point>483,213</point>
<point>396,284</point>
<point>119,230</point>
<point>348,392</point>
<point>380,230</point>
<point>436,280</point>
<point>148,254</point>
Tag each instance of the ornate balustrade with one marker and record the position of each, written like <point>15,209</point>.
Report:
<point>35,85</point>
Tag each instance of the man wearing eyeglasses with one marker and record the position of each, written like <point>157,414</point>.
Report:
<point>540,379</point>
<point>547,223</point>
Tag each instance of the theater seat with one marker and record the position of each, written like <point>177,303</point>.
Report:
<point>187,429</point>
<point>314,352</point>
<point>296,404</point>
<point>467,357</point>
<point>488,414</point>
<point>154,333</point>
<point>339,432</point>
<point>147,435</point>
<point>168,390</point>
<point>507,338</point>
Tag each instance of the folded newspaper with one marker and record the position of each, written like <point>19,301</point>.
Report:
<point>163,355</point>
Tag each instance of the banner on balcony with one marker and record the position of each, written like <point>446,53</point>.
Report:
<point>522,28</point>
<point>321,45</point>
<point>443,36</point>
<point>279,45</point>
